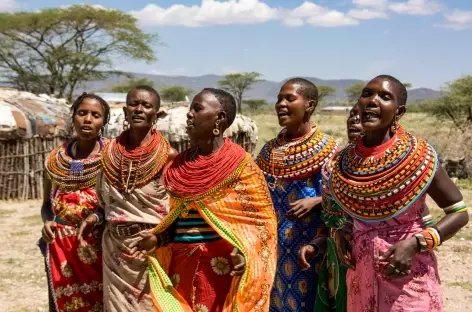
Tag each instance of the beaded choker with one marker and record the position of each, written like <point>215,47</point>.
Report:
<point>72,174</point>
<point>126,169</point>
<point>192,176</point>
<point>377,184</point>
<point>299,159</point>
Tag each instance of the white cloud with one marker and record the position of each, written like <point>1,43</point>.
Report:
<point>212,12</point>
<point>416,7</point>
<point>457,20</point>
<point>315,15</point>
<point>7,5</point>
<point>370,3</point>
<point>366,14</point>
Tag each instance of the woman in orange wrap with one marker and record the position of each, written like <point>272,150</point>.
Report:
<point>221,224</point>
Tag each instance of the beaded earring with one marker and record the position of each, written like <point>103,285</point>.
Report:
<point>216,131</point>
<point>125,124</point>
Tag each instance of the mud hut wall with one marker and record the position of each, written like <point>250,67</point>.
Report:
<point>22,166</point>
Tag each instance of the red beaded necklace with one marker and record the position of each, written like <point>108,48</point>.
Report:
<point>129,169</point>
<point>192,175</point>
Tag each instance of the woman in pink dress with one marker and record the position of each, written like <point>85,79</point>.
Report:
<point>381,182</point>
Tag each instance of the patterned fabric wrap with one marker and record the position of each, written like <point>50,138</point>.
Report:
<point>331,295</point>
<point>368,288</point>
<point>125,280</point>
<point>299,159</point>
<point>74,272</point>
<point>377,184</point>
<point>241,212</point>
<point>294,288</point>
<point>201,273</point>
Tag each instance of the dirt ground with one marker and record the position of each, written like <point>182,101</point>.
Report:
<point>23,280</point>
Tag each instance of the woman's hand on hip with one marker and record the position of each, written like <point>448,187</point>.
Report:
<point>400,257</point>
<point>301,208</point>
<point>48,233</point>
<point>239,263</point>
<point>305,254</point>
<point>86,228</point>
<point>343,238</point>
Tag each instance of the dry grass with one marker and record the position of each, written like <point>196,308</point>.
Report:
<point>438,133</point>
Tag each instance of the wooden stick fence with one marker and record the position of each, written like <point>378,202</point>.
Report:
<point>22,166</point>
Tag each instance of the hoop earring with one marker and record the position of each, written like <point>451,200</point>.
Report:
<point>216,131</point>
<point>394,127</point>
<point>100,133</point>
<point>125,124</point>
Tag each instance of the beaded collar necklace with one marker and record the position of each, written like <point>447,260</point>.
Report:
<point>71,174</point>
<point>297,159</point>
<point>126,169</point>
<point>376,184</point>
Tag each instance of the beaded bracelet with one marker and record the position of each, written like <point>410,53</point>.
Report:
<point>428,220</point>
<point>457,207</point>
<point>99,217</point>
<point>428,239</point>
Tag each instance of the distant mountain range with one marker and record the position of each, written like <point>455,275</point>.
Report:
<point>264,90</point>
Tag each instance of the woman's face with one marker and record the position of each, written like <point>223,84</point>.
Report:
<point>204,116</point>
<point>378,107</point>
<point>89,118</point>
<point>292,108</point>
<point>354,126</point>
<point>141,109</point>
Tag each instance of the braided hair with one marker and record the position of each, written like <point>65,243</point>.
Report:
<point>80,99</point>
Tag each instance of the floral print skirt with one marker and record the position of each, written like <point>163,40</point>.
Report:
<point>74,272</point>
<point>201,273</point>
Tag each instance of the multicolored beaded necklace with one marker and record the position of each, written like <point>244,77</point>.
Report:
<point>377,184</point>
<point>297,159</point>
<point>71,174</point>
<point>126,169</point>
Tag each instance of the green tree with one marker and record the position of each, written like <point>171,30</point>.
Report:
<point>407,85</point>
<point>55,50</point>
<point>256,104</point>
<point>175,93</point>
<point>130,84</point>
<point>354,91</point>
<point>325,91</point>
<point>456,103</point>
<point>238,83</point>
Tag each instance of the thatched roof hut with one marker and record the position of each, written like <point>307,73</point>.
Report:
<point>30,127</point>
<point>26,115</point>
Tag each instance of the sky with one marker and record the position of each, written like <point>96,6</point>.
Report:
<point>424,42</point>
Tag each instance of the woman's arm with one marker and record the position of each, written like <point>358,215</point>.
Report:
<point>446,194</point>
<point>46,209</point>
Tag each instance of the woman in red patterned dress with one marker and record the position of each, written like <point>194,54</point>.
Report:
<point>73,265</point>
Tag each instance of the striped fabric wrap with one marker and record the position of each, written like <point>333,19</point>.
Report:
<point>377,184</point>
<point>191,228</point>
<point>240,211</point>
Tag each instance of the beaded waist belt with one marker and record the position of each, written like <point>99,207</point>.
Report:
<point>129,229</point>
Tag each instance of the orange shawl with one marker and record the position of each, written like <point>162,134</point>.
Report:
<point>241,211</point>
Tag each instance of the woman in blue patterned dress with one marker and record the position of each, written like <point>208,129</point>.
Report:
<point>292,165</point>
